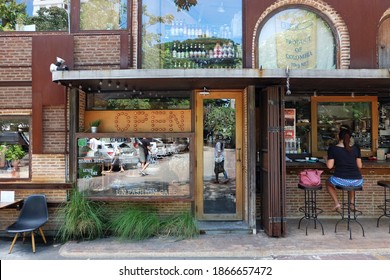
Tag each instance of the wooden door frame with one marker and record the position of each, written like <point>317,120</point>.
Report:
<point>199,143</point>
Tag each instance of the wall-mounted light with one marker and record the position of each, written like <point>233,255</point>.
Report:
<point>100,82</point>
<point>352,94</point>
<point>126,87</point>
<point>109,83</point>
<point>205,91</point>
<point>117,85</point>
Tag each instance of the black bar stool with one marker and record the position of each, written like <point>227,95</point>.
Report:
<point>348,214</point>
<point>386,202</point>
<point>310,209</point>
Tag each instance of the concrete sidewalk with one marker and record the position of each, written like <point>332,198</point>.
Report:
<point>295,246</point>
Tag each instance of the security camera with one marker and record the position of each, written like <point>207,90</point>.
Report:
<point>59,65</point>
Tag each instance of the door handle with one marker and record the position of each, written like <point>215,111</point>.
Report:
<point>239,154</point>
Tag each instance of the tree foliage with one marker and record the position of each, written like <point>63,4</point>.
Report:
<point>47,19</point>
<point>53,18</point>
<point>99,15</point>
<point>220,119</point>
<point>185,4</point>
<point>10,12</point>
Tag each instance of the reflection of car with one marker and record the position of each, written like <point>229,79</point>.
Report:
<point>129,160</point>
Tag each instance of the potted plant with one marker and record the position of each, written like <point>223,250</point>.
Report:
<point>94,125</point>
<point>14,153</point>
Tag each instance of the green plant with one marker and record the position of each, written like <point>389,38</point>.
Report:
<point>95,123</point>
<point>181,225</point>
<point>83,219</point>
<point>135,222</point>
<point>14,152</point>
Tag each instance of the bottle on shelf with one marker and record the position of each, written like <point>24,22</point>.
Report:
<point>299,150</point>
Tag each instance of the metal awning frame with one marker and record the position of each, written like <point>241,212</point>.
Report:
<point>338,81</point>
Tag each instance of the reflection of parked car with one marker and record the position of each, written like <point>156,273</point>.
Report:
<point>129,156</point>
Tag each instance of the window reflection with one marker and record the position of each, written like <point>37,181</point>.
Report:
<point>113,166</point>
<point>137,100</point>
<point>30,15</point>
<point>207,34</point>
<point>299,39</point>
<point>103,14</point>
<point>14,147</point>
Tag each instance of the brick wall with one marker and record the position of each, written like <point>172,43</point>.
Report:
<point>97,52</point>
<point>48,168</point>
<point>16,97</point>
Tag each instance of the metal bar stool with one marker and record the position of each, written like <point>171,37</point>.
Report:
<point>348,214</point>
<point>386,202</point>
<point>310,209</point>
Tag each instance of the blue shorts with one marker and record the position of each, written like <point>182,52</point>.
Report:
<point>336,181</point>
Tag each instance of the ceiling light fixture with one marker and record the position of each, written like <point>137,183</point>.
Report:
<point>205,91</point>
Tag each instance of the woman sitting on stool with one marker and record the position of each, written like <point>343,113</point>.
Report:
<point>346,159</point>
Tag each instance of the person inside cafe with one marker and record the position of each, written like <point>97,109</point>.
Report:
<point>347,163</point>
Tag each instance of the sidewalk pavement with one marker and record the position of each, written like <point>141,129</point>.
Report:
<point>375,245</point>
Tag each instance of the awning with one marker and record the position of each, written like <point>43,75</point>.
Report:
<point>359,81</point>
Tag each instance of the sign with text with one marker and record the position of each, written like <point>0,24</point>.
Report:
<point>296,41</point>
<point>141,120</point>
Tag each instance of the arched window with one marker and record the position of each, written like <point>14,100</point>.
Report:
<point>384,44</point>
<point>298,39</point>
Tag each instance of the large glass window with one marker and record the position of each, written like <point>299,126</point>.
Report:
<point>113,167</point>
<point>298,39</point>
<point>33,15</point>
<point>103,14</point>
<point>139,100</point>
<point>191,34</point>
<point>14,147</point>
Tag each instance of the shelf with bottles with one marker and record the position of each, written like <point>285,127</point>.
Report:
<point>202,53</point>
<point>180,29</point>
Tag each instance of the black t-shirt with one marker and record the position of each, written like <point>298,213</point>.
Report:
<point>145,144</point>
<point>345,162</point>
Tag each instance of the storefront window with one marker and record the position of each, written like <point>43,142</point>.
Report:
<point>30,15</point>
<point>137,100</point>
<point>206,34</point>
<point>329,114</point>
<point>103,14</point>
<point>14,147</point>
<point>112,167</point>
<point>297,39</point>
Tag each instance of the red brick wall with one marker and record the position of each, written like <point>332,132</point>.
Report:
<point>97,52</point>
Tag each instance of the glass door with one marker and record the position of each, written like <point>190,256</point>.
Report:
<point>219,155</point>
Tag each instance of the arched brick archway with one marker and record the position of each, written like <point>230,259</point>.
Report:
<point>322,8</point>
<point>383,41</point>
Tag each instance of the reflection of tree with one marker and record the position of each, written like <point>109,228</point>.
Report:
<point>185,4</point>
<point>100,14</point>
<point>220,119</point>
<point>148,103</point>
<point>52,18</point>
<point>10,12</point>
<point>151,42</point>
